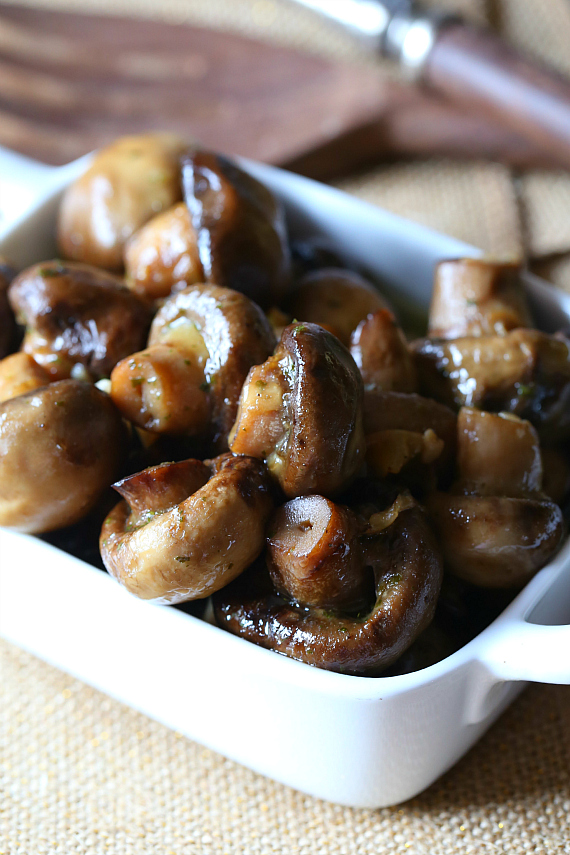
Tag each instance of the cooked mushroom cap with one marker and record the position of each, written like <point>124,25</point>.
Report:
<point>232,331</point>
<point>77,314</point>
<point>127,183</point>
<point>408,570</point>
<point>494,541</point>
<point>302,412</point>
<point>196,537</point>
<point>60,447</point>
<point>163,255</point>
<point>526,372</point>
<point>380,350</point>
<point>477,296</point>
<point>240,226</point>
<point>335,299</point>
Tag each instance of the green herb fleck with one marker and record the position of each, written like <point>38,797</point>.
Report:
<point>205,386</point>
<point>183,559</point>
<point>136,381</point>
<point>524,390</point>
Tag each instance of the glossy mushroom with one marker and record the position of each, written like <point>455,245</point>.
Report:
<point>163,255</point>
<point>301,412</point>
<point>477,296</point>
<point>336,299</point>
<point>405,563</point>
<point>202,343</point>
<point>496,528</point>
<point>379,348</point>
<point>75,314</point>
<point>186,529</point>
<point>525,372</point>
<point>127,183</point>
<point>240,228</point>
<point>60,447</point>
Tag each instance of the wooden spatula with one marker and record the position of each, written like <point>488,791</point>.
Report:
<point>70,83</point>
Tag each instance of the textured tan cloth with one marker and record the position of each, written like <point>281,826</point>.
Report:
<point>81,774</point>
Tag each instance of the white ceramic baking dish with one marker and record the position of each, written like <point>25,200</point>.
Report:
<point>365,742</point>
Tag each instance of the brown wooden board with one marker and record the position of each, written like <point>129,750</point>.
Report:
<point>72,82</point>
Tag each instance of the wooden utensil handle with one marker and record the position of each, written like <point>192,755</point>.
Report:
<point>476,68</point>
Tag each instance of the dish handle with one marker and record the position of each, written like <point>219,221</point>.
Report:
<point>519,650</point>
<point>23,182</point>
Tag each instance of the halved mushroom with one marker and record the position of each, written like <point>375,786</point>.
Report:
<point>526,372</point>
<point>19,374</point>
<point>163,255</point>
<point>127,183</point>
<point>379,348</point>
<point>186,529</point>
<point>404,560</point>
<point>60,447</point>
<point>335,299</point>
<point>477,296</point>
<point>7,320</point>
<point>202,343</point>
<point>240,228</point>
<point>76,314</point>
<point>301,412</point>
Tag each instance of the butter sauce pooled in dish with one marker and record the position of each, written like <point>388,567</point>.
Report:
<point>343,494</point>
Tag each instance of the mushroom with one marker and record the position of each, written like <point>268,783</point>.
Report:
<point>301,412</point>
<point>525,372</point>
<point>477,296</point>
<point>202,343</point>
<point>406,434</point>
<point>240,228</point>
<point>556,473</point>
<point>7,321</point>
<point>60,447</point>
<point>163,255</point>
<point>76,314</point>
<point>401,555</point>
<point>496,528</point>
<point>314,554</point>
<point>336,299</point>
<point>184,530</point>
<point>19,374</point>
<point>127,183</point>
<point>379,348</point>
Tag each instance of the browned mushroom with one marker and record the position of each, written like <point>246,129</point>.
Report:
<point>556,473</point>
<point>163,255</point>
<point>401,552</point>
<point>380,350</point>
<point>525,372</point>
<point>496,541</point>
<point>60,447</point>
<point>202,343</point>
<point>403,429</point>
<point>336,299</point>
<point>19,374</point>
<point>314,555</point>
<point>7,321</point>
<point>187,529</point>
<point>477,296</point>
<point>127,183</point>
<point>76,314</point>
<point>240,227</point>
<point>301,412</point>
<point>496,528</point>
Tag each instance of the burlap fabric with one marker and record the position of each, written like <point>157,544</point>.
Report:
<point>82,774</point>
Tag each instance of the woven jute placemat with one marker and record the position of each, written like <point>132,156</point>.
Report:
<point>80,773</point>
